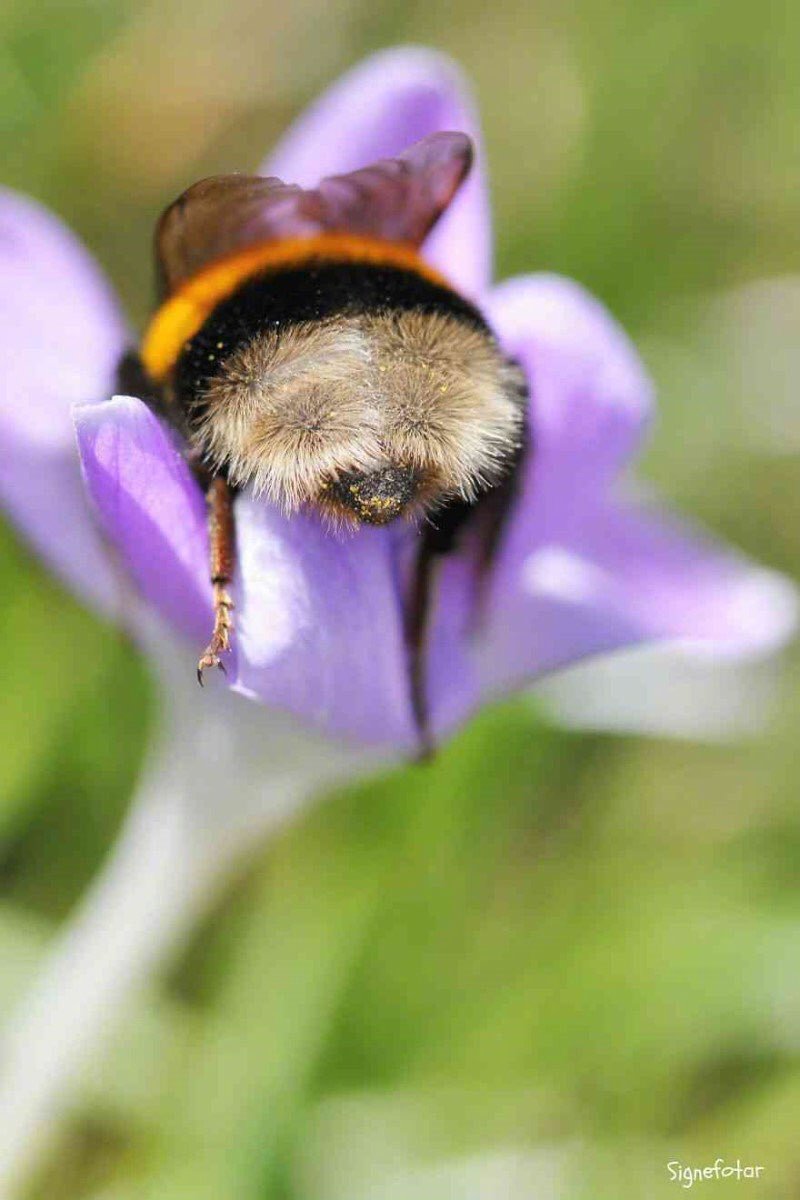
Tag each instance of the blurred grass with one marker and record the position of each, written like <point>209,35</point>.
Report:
<point>570,945</point>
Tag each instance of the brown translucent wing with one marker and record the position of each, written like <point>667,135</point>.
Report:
<point>218,216</point>
<point>401,198</point>
<point>398,199</point>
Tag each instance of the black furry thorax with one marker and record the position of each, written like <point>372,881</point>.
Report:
<point>314,292</point>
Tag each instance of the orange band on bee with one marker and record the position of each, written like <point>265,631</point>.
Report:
<point>183,314</point>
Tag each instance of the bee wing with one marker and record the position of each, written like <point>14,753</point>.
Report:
<point>398,199</point>
<point>215,217</point>
<point>401,198</point>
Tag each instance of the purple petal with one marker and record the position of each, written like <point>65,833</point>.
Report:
<point>319,628</point>
<point>577,579</point>
<point>150,508</point>
<point>61,335</point>
<point>377,110</point>
<point>580,573</point>
<point>52,288</point>
<point>591,399</point>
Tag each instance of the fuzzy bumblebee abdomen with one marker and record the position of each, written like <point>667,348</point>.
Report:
<point>369,389</point>
<point>318,291</point>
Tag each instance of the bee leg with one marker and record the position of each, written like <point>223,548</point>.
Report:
<point>483,522</point>
<point>416,625</point>
<point>221,535</point>
<point>439,538</point>
<point>487,526</point>
<point>490,525</point>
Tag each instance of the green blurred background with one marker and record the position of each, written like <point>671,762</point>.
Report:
<point>551,962</point>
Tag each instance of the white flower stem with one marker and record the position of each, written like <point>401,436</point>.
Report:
<point>127,924</point>
<point>226,774</point>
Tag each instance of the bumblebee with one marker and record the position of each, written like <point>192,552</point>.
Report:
<point>303,348</point>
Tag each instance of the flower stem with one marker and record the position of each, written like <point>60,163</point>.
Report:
<point>226,774</point>
<point>143,900</point>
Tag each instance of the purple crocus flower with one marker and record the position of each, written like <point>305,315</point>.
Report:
<point>581,569</point>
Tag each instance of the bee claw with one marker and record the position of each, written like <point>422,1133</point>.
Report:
<point>210,659</point>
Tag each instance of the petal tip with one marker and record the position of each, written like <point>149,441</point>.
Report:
<point>765,607</point>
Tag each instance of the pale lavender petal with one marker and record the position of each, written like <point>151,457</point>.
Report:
<point>666,690</point>
<point>319,628</point>
<point>150,508</point>
<point>591,399</point>
<point>61,326</point>
<point>61,335</point>
<point>42,493</point>
<point>576,580</point>
<point>317,620</point>
<point>579,572</point>
<point>377,110</point>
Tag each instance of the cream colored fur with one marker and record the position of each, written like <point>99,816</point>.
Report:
<point>293,410</point>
